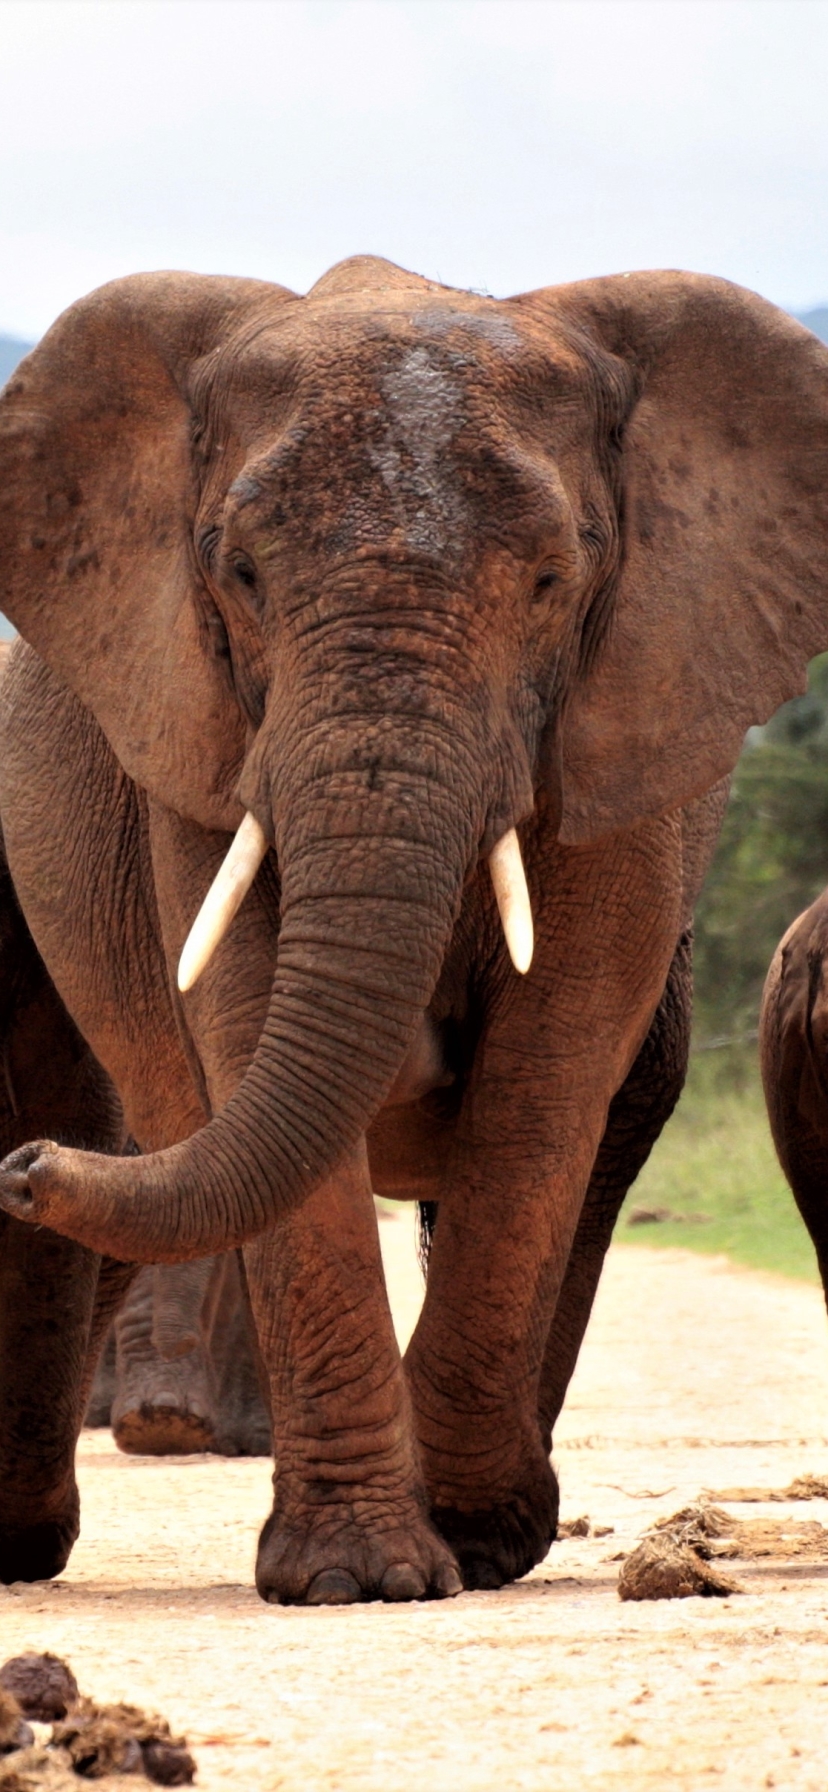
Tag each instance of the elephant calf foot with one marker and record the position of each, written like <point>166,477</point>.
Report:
<point>340,1556</point>
<point>500,1543</point>
<point>166,1408</point>
<point>39,1549</point>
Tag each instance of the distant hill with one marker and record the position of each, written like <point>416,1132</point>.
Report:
<point>12,350</point>
<point>816,320</point>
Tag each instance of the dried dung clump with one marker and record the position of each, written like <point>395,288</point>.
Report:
<point>43,1685</point>
<point>14,1731</point>
<point>88,1741</point>
<point>37,1770</point>
<point>105,1739</point>
<point>788,1540</point>
<point>803,1487</point>
<point>714,1533</point>
<point>675,1559</point>
<point>573,1527</point>
<point>660,1568</point>
<point>582,1527</point>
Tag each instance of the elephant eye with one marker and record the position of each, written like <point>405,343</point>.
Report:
<point>544,582</point>
<point>245,571</point>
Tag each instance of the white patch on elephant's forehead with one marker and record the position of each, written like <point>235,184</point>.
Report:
<point>424,410</point>
<point>492,327</point>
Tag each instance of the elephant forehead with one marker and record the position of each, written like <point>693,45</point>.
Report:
<point>428,429</point>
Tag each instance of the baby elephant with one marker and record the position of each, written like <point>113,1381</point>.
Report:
<point>793,1033</point>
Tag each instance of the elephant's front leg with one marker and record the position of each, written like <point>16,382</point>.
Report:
<point>350,1517</point>
<point>555,1048</point>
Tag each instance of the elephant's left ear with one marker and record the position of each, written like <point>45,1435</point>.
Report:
<point>722,594</point>
<point>98,492</point>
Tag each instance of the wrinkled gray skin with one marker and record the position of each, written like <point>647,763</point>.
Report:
<point>178,1372</point>
<point>395,569</point>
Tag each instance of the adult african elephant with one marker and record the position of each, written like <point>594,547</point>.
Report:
<point>382,581</point>
<point>793,1040</point>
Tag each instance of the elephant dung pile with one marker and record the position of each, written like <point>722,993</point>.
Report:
<point>88,1741</point>
<point>803,1487</point>
<point>675,1560</point>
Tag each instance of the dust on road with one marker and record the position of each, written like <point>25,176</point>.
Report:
<point>694,1375</point>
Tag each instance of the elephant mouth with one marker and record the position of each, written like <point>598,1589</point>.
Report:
<point>247,851</point>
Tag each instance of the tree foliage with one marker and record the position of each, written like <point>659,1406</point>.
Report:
<point>772,860</point>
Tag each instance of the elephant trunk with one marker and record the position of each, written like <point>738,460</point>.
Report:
<point>372,862</point>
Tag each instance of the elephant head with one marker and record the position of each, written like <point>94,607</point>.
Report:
<point>370,575</point>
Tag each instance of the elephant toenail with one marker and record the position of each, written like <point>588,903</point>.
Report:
<point>333,1586</point>
<point>481,1576</point>
<point>402,1581</point>
<point>447,1582</point>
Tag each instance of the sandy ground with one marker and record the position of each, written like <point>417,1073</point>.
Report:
<point>694,1375</point>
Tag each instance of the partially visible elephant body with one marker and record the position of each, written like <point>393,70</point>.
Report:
<point>793,1034</point>
<point>57,1299</point>
<point>433,623</point>
<point>179,1372</point>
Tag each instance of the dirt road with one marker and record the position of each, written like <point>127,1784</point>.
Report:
<point>694,1375</point>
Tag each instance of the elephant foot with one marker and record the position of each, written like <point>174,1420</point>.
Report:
<point>500,1543</point>
<point>159,1429</point>
<point>243,1437</point>
<point>343,1559</point>
<point>167,1410</point>
<point>41,1550</point>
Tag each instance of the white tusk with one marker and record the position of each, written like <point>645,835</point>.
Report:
<point>512,897</point>
<point>224,897</point>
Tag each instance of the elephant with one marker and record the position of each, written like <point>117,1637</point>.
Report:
<point>793,1050</point>
<point>388,649</point>
<point>179,1371</point>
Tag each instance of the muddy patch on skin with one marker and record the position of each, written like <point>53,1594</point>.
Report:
<point>88,1741</point>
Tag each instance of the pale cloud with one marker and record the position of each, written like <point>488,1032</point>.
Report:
<point>492,143</point>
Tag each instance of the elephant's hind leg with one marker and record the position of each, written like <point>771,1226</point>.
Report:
<point>636,1116</point>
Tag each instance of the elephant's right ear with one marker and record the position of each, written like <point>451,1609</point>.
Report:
<point>721,595</point>
<point>97,501</point>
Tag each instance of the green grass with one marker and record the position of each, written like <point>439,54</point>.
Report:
<point>715,1159</point>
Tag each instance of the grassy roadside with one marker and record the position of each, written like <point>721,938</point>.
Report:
<point>715,1167</point>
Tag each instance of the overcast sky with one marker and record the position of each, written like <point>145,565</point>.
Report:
<point>487,144</point>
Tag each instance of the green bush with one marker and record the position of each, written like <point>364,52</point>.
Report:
<point>715,1170</point>
<point>714,1167</point>
<point>772,860</point>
